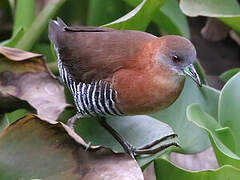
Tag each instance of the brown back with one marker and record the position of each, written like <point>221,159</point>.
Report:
<point>94,53</point>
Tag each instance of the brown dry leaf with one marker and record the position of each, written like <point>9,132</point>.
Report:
<point>32,148</point>
<point>17,54</point>
<point>26,76</point>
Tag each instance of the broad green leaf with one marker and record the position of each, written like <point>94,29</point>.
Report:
<point>165,170</point>
<point>141,130</point>
<point>192,138</point>
<point>32,148</point>
<point>171,20</point>
<point>24,15</point>
<point>222,139</point>
<point>226,11</point>
<point>229,74</point>
<point>113,9</point>
<point>14,39</point>
<point>168,17</point>
<point>211,8</point>
<point>229,108</point>
<point>138,18</point>
<point>40,24</point>
<point>204,120</point>
<point>138,130</point>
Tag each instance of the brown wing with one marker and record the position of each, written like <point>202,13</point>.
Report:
<point>95,53</point>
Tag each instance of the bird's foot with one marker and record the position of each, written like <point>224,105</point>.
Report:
<point>147,149</point>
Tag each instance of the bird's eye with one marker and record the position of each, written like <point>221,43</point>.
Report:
<point>176,59</point>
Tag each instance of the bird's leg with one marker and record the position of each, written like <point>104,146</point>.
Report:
<point>72,120</point>
<point>130,149</point>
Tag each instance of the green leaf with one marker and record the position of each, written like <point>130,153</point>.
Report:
<point>210,8</point>
<point>222,139</point>
<point>226,76</point>
<point>43,48</point>
<point>113,9</point>
<point>9,118</point>
<point>171,20</point>
<point>14,39</point>
<point>167,171</point>
<point>138,130</point>
<point>176,117</point>
<point>138,18</point>
<point>34,32</point>
<point>226,11</point>
<point>24,15</point>
<point>229,108</point>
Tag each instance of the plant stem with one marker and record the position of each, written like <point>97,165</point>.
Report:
<point>33,33</point>
<point>25,14</point>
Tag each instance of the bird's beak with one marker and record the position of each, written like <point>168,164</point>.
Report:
<point>192,73</point>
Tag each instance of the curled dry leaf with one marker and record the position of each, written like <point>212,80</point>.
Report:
<point>17,54</point>
<point>25,76</point>
<point>31,148</point>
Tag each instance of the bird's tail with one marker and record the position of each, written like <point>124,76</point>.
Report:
<point>55,26</point>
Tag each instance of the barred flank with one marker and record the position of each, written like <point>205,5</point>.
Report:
<point>94,99</point>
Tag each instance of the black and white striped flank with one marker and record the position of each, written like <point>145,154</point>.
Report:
<point>93,99</point>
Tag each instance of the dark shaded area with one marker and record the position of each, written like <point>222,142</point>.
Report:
<point>10,103</point>
<point>5,20</point>
<point>215,57</point>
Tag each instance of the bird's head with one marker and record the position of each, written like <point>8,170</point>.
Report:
<point>178,54</point>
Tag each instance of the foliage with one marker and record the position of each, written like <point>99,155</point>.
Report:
<point>54,151</point>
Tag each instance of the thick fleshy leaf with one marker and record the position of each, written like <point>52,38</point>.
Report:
<point>171,20</point>
<point>175,116</point>
<point>211,8</point>
<point>32,148</point>
<point>138,18</point>
<point>222,139</point>
<point>229,74</point>
<point>229,108</point>
<point>31,81</point>
<point>167,171</point>
<point>226,11</point>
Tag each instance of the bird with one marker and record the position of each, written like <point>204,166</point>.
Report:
<point>121,72</point>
